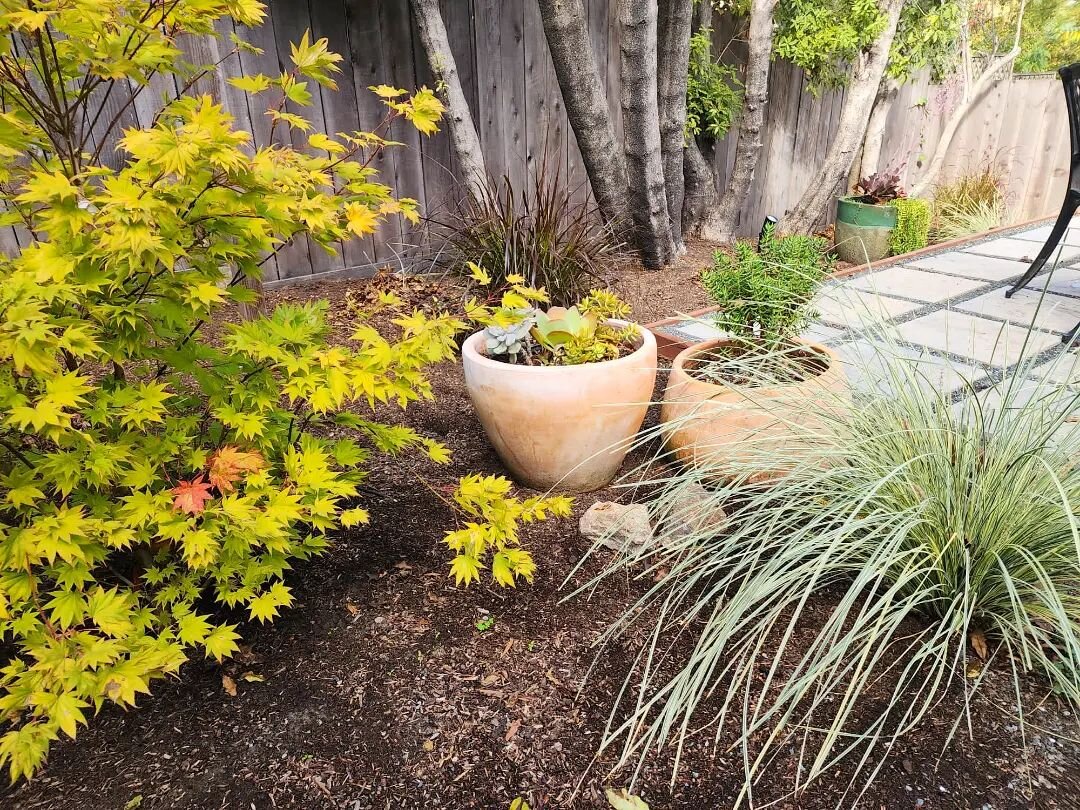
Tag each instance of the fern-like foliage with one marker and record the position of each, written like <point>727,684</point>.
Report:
<point>912,231</point>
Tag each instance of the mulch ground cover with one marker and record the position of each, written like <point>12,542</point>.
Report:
<point>385,686</point>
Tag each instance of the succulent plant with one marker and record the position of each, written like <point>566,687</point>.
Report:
<point>510,339</point>
<point>879,188</point>
<point>558,326</point>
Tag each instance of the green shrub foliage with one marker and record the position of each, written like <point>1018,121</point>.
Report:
<point>912,230</point>
<point>147,471</point>
<point>972,203</point>
<point>713,91</point>
<point>764,294</point>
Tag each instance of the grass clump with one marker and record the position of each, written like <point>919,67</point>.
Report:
<point>973,203</point>
<point>910,553</point>
<point>548,235</point>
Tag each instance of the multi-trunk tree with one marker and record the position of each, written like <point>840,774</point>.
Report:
<point>721,223</point>
<point>638,184</point>
<point>982,65</point>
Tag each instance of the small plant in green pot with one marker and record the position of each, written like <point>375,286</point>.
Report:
<point>865,220</point>
<point>722,392</point>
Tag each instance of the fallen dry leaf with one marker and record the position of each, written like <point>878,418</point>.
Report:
<point>978,643</point>
<point>512,729</point>
<point>251,677</point>
<point>228,684</point>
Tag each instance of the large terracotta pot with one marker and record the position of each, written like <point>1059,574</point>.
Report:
<point>561,427</point>
<point>720,425</point>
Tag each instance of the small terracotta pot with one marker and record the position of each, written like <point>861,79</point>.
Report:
<point>715,420</point>
<point>561,427</point>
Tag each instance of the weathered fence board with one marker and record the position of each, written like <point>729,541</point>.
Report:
<point>509,82</point>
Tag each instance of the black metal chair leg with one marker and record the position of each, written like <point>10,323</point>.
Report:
<point>1070,335</point>
<point>1068,208</point>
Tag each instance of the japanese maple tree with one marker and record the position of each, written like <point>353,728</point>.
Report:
<point>143,465</point>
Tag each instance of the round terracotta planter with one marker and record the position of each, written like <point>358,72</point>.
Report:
<point>717,420</point>
<point>561,427</point>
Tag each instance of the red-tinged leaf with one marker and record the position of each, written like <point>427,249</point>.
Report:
<point>228,465</point>
<point>191,496</point>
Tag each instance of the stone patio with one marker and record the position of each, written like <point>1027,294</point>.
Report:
<point>947,311</point>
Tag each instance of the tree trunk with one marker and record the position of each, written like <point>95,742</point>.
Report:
<point>641,132</point>
<point>974,90</point>
<point>673,58</point>
<point>586,105</point>
<point>722,222</point>
<point>700,187</point>
<point>699,181</point>
<point>468,156</point>
<point>822,190</point>
<point>981,87</point>
<point>875,128</point>
<point>702,16</point>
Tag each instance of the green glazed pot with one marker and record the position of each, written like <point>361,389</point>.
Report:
<point>863,230</point>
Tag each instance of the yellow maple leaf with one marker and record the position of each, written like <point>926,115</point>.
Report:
<point>386,91</point>
<point>361,219</point>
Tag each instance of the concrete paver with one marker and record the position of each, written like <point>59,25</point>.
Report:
<point>979,339</point>
<point>961,263</point>
<point>1022,250</point>
<point>918,285</point>
<point>1054,313</point>
<point>846,306</point>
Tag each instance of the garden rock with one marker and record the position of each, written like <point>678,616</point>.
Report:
<point>616,525</point>
<point>695,512</point>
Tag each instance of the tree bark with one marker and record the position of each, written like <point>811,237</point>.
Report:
<point>641,132</point>
<point>702,16</point>
<point>468,155</point>
<point>875,128</point>
<point>586,105</point>
<point>699,180</point>
<point>722,222</point>
<point>851,130</point>
<point>700,187</point>
<point>673,59</point>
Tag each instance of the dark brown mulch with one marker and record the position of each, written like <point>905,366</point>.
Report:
<point>676,289</point>
<point>377,690</point>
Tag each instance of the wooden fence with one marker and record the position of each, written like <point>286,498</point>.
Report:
<point>510,84</point>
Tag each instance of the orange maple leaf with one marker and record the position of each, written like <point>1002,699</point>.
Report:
<point>229,463</point>
<point>191,496</point>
